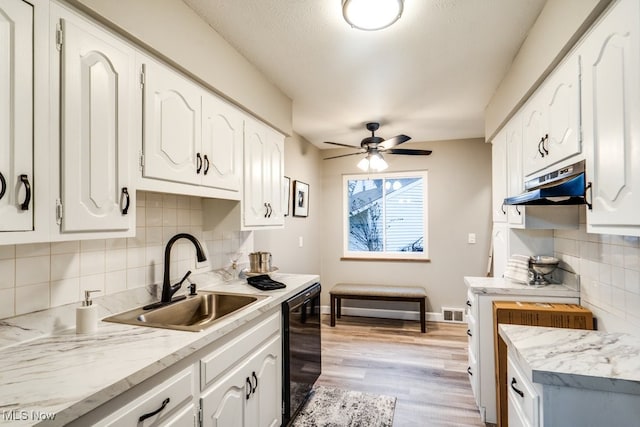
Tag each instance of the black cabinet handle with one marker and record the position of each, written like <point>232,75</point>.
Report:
<point>518,210</point>
<point>125,195</point>
<point>151,414</point>
<point>545,139</point>
<point>469,332</point>
<point>469,303</point>
<point>266,210</point>
<point>539,149</point>
<point>27,198</point>
<point>513,387</point>
<point>206,164</point>
<point>270,210</point>
<point>589,202</point>
<point>255,377</point>
<point>198,163</point>
<point>469,371</point>
<point>3,185</point>
<point>248,383</point>
<point>503,211</point>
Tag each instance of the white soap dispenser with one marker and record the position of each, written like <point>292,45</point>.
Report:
<point>87,315</point>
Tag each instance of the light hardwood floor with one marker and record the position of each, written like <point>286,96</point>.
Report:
<point>427,373</point>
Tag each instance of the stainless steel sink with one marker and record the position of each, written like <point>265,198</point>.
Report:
<point>195,313</point>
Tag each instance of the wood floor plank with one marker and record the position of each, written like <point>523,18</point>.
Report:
<point>427,373</point>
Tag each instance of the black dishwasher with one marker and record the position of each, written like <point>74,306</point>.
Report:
<point>300,349</point>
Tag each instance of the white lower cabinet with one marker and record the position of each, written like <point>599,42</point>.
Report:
<point>169,403</point>
<point>482,372</point>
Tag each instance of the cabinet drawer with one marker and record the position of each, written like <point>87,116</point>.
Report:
<point>225,356</point>
<point>172,395</point>
<point>522,395</point>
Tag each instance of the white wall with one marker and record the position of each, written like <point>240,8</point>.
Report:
<point>459,186</point>
<point>39,276</point>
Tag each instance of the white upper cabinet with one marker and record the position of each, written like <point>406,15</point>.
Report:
<point>263,174</point>
<point>610,55</point>
<point>222,138</point>
<point>190,136</point>
<point>96,89</point>
<point>551,119</point>
<point>172,129</point>
<point>515,185</point>
<point>499,176</point>
<point>16,116</point>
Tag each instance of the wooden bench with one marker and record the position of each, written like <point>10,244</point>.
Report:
<point>379,293</point>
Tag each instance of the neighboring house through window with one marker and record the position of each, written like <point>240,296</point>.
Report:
<point>386,215</point>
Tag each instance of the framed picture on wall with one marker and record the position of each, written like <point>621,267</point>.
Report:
<point>286,195</point>
<point>300,199</point>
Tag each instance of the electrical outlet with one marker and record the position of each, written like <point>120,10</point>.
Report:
<point>300,241</point>
<point>472,238</point>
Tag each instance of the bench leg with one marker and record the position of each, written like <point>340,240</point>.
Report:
<point>339,307</point>
<point>333,310</point>
<point>423,316</point>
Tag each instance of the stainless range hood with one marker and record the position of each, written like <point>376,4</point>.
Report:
<point>565,186</point>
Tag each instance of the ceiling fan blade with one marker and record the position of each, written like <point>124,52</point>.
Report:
<point>344,155</point>
<point>396,140</point>
<point>407,151</point>
<point>341,145</point>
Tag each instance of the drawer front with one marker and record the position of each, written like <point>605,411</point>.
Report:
<point>522,394</point>
<point>163,400</point>
<point>472,333</point>
<point>222,358</point>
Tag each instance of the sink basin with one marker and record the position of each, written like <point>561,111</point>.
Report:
<point>195,313</point>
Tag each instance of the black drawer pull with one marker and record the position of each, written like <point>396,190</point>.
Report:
<point>151,414</point>
<point>513,386</point>
<point>3,185</point>
<point>27,197</point>
<point>469,303</point>
<point>469,371</point>
<point>469,332</point>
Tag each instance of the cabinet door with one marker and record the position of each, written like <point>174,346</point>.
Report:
<point>223,405</point>
<point>255,208</point>
<point>610,56</point>
<point>264,407</point>
<point>562,104</point>
<point>172,120</point>
<point>274,173</point>
<point>533,131</point>
<point>499,176</point>
<point>515,185</point>
<point>16,115</point>
<point>96,91</point>
<point>222,138</point>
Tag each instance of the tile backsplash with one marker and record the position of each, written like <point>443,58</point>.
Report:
<point>609,269</point>
<point>39,276</point>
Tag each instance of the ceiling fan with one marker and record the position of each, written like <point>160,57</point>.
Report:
<point>375,146</point>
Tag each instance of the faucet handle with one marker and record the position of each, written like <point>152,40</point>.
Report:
<point>183,279</point>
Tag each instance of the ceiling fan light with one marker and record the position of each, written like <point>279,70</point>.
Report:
<point>371,15</point>
<point>364,164</point>
<point>377,163</point>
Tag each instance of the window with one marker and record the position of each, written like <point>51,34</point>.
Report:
<point>386,215</point>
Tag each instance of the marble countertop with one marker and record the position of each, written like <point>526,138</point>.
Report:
<point>501,286</point>
<point>578,358</point>
<point>48,369</point>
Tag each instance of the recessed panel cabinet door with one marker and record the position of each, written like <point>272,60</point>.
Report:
<point>172,117</point>
<point>96,97</point>
<point>222,138</point>
<point>223,405</point>
<point>611,99</point>
<point>255,208</point>
<point>16,115</point>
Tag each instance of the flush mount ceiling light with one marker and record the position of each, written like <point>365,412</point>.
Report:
<point>371,15</point>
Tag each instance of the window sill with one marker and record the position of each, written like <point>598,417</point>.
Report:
<point>384,259</point>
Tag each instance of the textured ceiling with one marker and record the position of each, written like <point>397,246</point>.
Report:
<point>429,76</point>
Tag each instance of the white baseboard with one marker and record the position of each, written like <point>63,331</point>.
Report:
<point>387,314</point>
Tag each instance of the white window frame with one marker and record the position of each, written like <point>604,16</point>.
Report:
<point>383,255</point>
